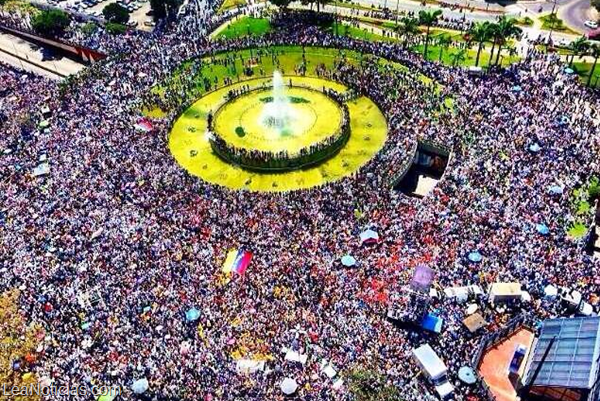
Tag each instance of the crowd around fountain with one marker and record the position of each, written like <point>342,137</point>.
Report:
<point>113,218</point>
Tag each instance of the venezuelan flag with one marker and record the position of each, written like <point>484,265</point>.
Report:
<point>237,261</point>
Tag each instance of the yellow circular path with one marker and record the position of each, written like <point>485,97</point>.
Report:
<point>189,144</point>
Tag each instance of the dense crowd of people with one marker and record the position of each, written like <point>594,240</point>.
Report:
<point>113,243</point>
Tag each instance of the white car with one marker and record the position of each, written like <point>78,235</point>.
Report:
<point>591,24</point>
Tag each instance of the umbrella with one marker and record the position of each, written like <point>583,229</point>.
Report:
<point>467,375</point>
<point>475,257</point>
<point>516,88</point>
<point>348,261</point>
<point>139,386</point>
<point>556,190</point>
<point>289,386</point>
<point>569,70</point>
<point>192,314</point>
<point>535,148</point>
<point>542,229</point>
<point>472,309</point>
<point>369,236</point>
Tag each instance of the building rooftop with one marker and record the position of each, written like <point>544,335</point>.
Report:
<point>573,359</point>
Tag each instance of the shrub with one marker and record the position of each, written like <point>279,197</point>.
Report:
<point>89,29</point>
<point>116,29</point>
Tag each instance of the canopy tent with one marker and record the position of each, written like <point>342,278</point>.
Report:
<point>41,169</point>
<point>289,386</point>
<point>432,323</point>
<point>460,294</point>
<point>294,356</point>
<point>502,292</point>
<point>550,292</point>
<point>348,261</point>
<point>249,366</point>
<point>369,237</point>
<point>474,322</point>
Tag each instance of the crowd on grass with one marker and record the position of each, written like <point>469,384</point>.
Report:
<point>112,243</point>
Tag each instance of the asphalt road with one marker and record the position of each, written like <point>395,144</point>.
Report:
<point>22,54</point>
<point>575,13</point>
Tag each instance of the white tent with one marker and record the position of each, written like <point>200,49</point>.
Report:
<point>550,292</point>
<point>369,237</point>
<point>249,366</point>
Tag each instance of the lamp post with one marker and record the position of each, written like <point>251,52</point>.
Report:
<point>552,20</point>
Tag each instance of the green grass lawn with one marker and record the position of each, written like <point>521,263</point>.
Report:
<point>358,33</point>
<point>246,26</point>
<point>471,54</point>
<point>285,59</point>
<point>551,21</point>
<point>229,4</point>
<point>583,70</point>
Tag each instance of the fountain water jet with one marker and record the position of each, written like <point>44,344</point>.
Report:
<point>278,113</point>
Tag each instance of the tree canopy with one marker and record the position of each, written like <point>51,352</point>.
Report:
<point>281,3</point>
<point>51,22</point>
<point>164,8</point>
<point>115,13</point>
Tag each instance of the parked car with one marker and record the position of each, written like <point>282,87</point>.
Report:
<point>591,24</point>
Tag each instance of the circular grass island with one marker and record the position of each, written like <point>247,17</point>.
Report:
<point>227,137</point>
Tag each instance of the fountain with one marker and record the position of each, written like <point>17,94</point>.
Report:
<point>278,113</point>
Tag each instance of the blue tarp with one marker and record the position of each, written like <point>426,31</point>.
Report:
<point>432,323</point>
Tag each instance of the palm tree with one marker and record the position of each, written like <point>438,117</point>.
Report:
<point>507,29</point>
<point>594,51</point>
<point>407,28</point>
<point>578,47</point>
<point>443,41</point>
<point>459,57</point>
<point>481,32</point>
<point>428,18</point>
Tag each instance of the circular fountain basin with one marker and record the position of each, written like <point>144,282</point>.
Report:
<point>315,128</point>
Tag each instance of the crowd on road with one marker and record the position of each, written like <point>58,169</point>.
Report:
<point>112,242</point>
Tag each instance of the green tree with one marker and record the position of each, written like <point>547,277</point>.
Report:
<point>443,41</point>
<point>428,18</point>
<point>115,13</point>
<point>162,9</point>
<point>368,385</point>
<point>51,22</point>
<point>596,4</point>
<point>407,28</point>
<point>459,57</point>
<point>281,3</point>
<point>579,46</point>
<point>506,29</point>
<point>480,33</point>
<point>594,51</point>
